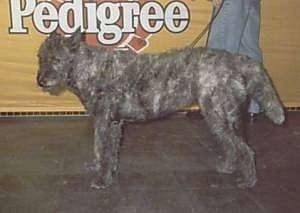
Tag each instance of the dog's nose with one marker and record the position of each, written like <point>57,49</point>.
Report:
<point>40,81</point>
<point>41,84</point>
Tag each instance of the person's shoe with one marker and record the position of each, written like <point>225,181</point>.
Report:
<point>252,117</point>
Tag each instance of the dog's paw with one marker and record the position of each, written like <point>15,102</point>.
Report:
<point>100,184</point>
<point>102,181</point>
<point>225,169</point>
<point>226,166</point>
<point>248,176</point>
<point>93,166</point>
<point>249,182</point>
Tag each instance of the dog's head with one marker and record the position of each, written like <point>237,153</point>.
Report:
<point>55,58</point>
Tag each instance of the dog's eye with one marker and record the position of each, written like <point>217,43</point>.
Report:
<point>55,60</point>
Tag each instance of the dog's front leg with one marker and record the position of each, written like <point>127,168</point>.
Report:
<point>225,122</point>
<point>107,138</point>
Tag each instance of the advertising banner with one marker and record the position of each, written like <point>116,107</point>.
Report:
<point>130,25</point>
<point>140,26</point>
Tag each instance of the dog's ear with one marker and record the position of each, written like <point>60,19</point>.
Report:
<point>77,36</point>
<point>75,39</point>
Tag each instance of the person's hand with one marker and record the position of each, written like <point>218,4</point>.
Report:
<point>216,3</point>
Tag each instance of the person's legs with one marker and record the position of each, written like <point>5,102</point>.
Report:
<point>227,28</point>
<point>236,29</point>
<point>250,42</point>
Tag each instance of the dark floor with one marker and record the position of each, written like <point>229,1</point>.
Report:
<point>167,166</point>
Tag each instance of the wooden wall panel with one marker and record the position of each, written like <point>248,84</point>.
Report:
<point>280,42</point>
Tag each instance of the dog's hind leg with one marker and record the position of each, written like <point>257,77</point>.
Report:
<point>106,148</point>
<point>225,122</point>
<point>261,89</point>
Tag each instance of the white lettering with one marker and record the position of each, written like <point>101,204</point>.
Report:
<point>91,24</point>
<point>40,18</point>
<point>152,17</point>
<point>68,9</point>
<point>17,13</point>
<point>131,11</point>
<point>109,20</point>
<point>108,14</point>
<point>176,12</point>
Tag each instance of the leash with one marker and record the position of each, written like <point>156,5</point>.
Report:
<point>207,27</point>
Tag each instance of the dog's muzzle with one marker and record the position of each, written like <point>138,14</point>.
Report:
<point>41,81</point>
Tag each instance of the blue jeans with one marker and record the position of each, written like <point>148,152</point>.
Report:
<point>236,29</point>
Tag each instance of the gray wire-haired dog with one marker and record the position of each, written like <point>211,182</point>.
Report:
<point>117,85</point>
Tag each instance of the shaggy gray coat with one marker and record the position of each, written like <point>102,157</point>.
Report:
<point>117,86</point>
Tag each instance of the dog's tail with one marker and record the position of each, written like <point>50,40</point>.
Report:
<point>261,89</point>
